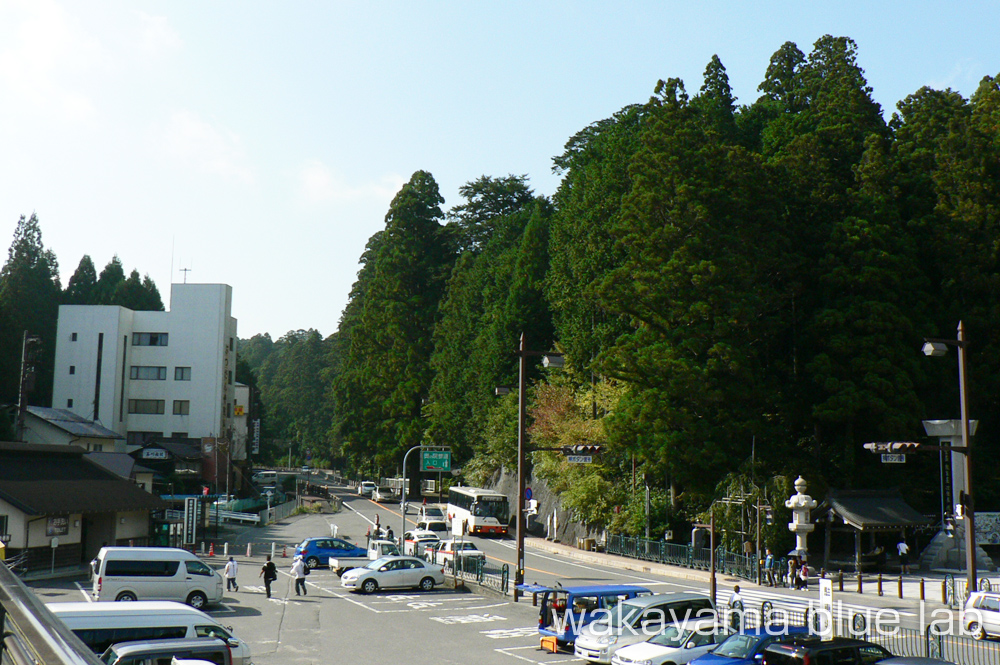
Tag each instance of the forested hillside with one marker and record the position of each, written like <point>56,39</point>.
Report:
<point>725,280</point>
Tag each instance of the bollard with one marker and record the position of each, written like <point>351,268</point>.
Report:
<point>284,552</point>
<point>225,548</point>
<point>921,589</point>
<point>249,551</point>
<point>880,584</point>
<point>534,599</point>
<point>273,546</point>
<point>840,580</point>
<point>899,584</point>
<point>202,549</point>
<point>859,582</point>
<point>944,592</point>
<point>131,543</point>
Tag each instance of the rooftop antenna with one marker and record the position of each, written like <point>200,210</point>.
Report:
<point>185,271</point>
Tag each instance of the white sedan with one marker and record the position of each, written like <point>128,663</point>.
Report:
<point>393,572</point>
<point>678,643</point>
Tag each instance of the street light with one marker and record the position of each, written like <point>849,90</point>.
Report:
<point>939,347</point>
<point>549,360</point>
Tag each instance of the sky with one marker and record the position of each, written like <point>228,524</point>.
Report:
<point>259,144</point>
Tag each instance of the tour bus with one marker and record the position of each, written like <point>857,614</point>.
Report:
<point>478,511</point>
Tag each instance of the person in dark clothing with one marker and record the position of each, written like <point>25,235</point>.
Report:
<point>270,573</point>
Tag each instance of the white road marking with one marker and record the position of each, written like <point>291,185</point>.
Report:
<point>85,592</point>
<point>505,633</point>
<point>469,618</point>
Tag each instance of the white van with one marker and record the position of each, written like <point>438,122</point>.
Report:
<point>265,478</point>
<point>154,573</point>
<point>100,625</point>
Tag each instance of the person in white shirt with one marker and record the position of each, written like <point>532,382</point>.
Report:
<point>904,556</point>
<point>229,572</point>
<point>736,600</point>
<point>299,573</point>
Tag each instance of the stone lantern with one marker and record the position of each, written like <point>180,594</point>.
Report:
<point>800,505</point>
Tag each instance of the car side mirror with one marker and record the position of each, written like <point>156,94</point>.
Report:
<point>233,643</point>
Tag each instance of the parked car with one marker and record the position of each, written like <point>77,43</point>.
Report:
<point>564,609</point>
<point>384,494</point>
<point>393,572</point>
<point>743,648</point>
<point>366,488</point>
<point>803,651</point>
<point>212,649</point>
<point>981,614</point>
<point>432,511</point>
<point>450,550</point>
<point>440,527</point>
<point>415,542</point>
<point>154,573</point>
<point>318,551</point>
<point>677,644</point>
<point>636,620</point>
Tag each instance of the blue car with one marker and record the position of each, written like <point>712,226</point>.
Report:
<point>318,551</point>
<point>746,647</point>
<point>566,609</point>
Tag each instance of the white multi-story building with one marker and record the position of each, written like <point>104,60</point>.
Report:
<point>151,374</point>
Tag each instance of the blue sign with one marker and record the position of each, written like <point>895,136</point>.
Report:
<point>527,493</point>
<point>309,453</point>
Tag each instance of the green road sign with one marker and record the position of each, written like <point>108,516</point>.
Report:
<point>435,460</point>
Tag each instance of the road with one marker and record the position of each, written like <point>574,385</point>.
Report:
<point>413,627</point>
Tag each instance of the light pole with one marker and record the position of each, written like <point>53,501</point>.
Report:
<point>549,360</point>
<point>939,347</point>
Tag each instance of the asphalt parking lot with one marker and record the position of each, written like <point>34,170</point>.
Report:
<point>410,626</point>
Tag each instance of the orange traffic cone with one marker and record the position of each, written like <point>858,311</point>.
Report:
<point>284,552</point>
<point>211,550</point>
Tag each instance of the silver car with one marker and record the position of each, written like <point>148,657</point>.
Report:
<point>981,615</point>
<point>393,572</point>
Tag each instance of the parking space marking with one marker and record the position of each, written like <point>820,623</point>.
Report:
<point>507,633</point>
<point>86,594</point>
<point>507,652</point>
<point>468,618</point>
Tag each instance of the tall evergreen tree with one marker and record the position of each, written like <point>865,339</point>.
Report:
<point>80,290</point>
<point>29,301</point>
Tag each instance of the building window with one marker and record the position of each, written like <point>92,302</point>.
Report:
<point>72,337</point>
<point>182,374</point>
<point>72,369</point>
<point>97,448</point>
<point>230,376</point>
<point>69,404</point>
<point>182,407</point>
<point>232,345</point>
<point>148,373</point>
<point>141,438</point>
<point>147,406</point>
<point>178,435</point>
<point>149,339</point>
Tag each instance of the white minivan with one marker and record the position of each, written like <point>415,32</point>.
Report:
<point>154,573</point>
<point>99,625</point>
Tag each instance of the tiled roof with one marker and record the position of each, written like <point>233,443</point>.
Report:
<point>72,423</point>
<point>54,480</point>
<point>873,509</point>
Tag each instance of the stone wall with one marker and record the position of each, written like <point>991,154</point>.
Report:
<point>549,511</point>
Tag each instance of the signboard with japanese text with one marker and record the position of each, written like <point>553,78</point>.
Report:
<point>435,460</point>
<point>57,526</point>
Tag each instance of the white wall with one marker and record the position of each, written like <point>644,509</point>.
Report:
<point>202,335</point>
<point>136,525</point>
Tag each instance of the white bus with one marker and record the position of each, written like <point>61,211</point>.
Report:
<point>480,511</point>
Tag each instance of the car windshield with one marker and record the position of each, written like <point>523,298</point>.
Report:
<point>672,636</point>
<point>491,508</point>
<point>737,646</point>
<point>621,615</point>
<point>433,512</point>
<point>377,563</point>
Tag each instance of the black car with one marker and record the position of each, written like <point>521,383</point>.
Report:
<point>814,651</point>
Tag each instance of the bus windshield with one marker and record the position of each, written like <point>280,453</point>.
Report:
<point>491,507</point>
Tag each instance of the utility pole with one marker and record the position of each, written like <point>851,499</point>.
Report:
<point>29,349</point>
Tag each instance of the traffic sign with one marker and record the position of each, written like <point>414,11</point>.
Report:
<point>579,459</point>
<point>435,459</point>
<point>893,459</point>
<point>527,494</point>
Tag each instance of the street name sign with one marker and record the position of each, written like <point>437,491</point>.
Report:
<point>579,459</point>
<point>888,458</point>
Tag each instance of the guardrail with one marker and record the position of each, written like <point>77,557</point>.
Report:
<point>223,515</point>
<point>484,574</point>
<point>32,635</point>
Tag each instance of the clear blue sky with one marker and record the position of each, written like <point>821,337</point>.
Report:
<point>259,143</point>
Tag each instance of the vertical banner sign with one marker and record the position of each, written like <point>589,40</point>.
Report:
<point>256,437</point>
<point>190,520</point>
<point>825,614</point>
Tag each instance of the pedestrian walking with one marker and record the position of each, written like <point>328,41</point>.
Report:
<point>904,555</point>
<point>229,572</point>
<point>769,568</point>
<point>270,573</point>
<point>804,576</point>
<point>299,573</point>
<point>736,600</point>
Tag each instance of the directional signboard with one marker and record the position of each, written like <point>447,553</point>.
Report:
<point>579,459</point>
<point>435,459</point>
<point>889,458</point>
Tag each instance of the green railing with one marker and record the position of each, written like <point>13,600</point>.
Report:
<point>484,573</point>
<point>686,556</point>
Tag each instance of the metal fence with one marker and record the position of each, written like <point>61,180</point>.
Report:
<point>932,642</point>
<point>728,563</point>
<point>484,574</point>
